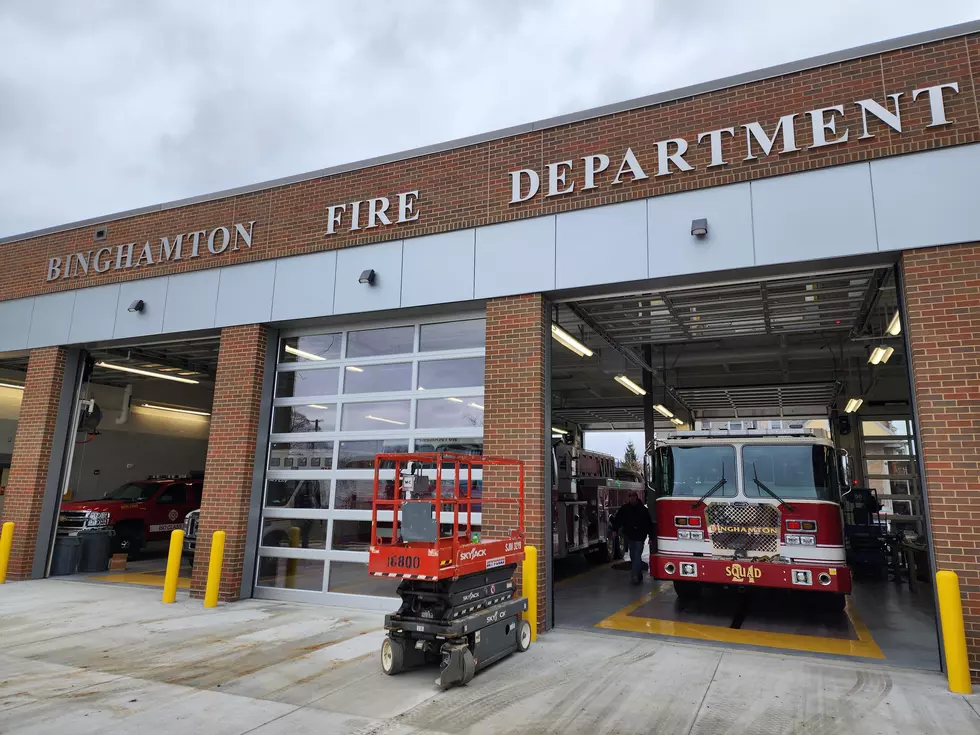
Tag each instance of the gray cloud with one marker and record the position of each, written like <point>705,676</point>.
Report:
<point>106,106</point>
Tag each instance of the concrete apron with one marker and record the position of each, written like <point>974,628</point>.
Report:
<point>86,658</point>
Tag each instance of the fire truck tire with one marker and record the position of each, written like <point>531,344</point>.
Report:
<point>129,539</point>
<point>523,636</point>
<point>618,549</point>
<point>392,656</point>
<point>687,590</point>
<point>606,551</point>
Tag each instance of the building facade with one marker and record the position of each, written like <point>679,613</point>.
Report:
<point>454,254</point>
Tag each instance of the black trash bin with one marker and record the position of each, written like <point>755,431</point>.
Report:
<point>96,548</point>
<point>64,560</point>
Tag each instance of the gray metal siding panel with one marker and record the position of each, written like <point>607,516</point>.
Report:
<point>15,324</point>
<point>153,291</point>
<point>304,286</point>
<point>191,300</point>
<point>824,213</point>
<point>245,294</point>
<point>927,199</point>
<point>94,315</point>
<point>601,245</point>
<point>351,297</point>
<point>51,319</point>
<point>515,257</point>
<point>438,269</point>
<point>728,244</point>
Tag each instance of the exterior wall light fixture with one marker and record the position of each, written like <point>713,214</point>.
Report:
<point>699,227</point>
<point>367,277</point>
<point>137,306</point>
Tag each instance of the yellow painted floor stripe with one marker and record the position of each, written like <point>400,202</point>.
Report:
<point>146,578</point>
<point>863,647</point>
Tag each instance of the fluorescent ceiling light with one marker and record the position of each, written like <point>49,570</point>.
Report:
<point>11,385</point>
<point>317,405</point>
<point>676,421</point>
<point>895,325</point>
<point>623,380</point>
<point>556,430</point>
<point>663,411</point>
<point>880,355</point>
<point>475,405</point>
<point>569,341</point>
<point>175,410</point>
<point>455,400</point>
<point>853,405</point>
<point>387,421</point>
<point>147,373</point>
<point>355,369</point>
<point>300,353</point>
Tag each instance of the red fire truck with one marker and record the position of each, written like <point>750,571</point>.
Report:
<point>760,509</point>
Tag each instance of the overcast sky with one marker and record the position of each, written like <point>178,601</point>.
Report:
<point>106,106</point>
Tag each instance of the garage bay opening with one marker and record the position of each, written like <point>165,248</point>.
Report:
<point>767,427</point>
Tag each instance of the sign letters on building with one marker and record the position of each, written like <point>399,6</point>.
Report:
<point>171,249</point>
<point>746,142</point>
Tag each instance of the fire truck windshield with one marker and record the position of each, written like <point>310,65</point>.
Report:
<point>693,471</point>
<point>791,471</point>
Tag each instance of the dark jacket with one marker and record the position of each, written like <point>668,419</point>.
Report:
<point>633,520</point>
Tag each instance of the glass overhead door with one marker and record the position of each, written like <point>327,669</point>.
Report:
<point>341,397</point>
<point>889,452</point>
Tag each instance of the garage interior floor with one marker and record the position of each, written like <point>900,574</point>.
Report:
<point>884,621</point>
<point>148,570</point>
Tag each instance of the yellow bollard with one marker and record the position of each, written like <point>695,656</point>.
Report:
<point>173,566</point>
<point>529,583</point>
<point>954,635</point>
<point>214,569</point>
<point>295,537</point>
<point>6,541</point>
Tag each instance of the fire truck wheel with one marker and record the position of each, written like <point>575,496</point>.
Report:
<point>687,590</point>
<point>618,549</point>
<point>523,636</point>
<point>392,656</point>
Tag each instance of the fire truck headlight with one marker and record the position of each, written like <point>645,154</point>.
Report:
<point>808,540</point>
<point>94,520</point>
<point>792,539</point>
<point>697,535</point>
<point>683,534</point>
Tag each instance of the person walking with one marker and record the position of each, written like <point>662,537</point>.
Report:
<point>633,521</point>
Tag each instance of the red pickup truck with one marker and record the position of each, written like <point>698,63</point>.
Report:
<point>137,512</point>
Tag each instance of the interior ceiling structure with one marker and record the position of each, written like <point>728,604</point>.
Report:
<point>195,359</point>
<point>781,347</point>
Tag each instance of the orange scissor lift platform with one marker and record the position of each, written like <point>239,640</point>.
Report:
<point>455,547</point>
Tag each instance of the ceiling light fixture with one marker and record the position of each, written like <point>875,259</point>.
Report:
<point>355,369</point>
<point>663,411</point>
<point>569,341</point>
<point>556,430</point>
<point>624,381</point>
<point>300,353</point>
<point>11,385</point>
<point>895,325</point>
<point>676,421</point>
<point>175,410</point>
<point>475,405</point>
<point>147,373</point>
<point>387,421</point>
<point>880,355</point>
<point>853,405</point>
<point>455,400</point>
<point>317,405</point>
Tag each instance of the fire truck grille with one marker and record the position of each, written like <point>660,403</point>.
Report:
<point>743,527</point>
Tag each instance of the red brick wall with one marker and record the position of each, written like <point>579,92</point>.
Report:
<point>942,292</point>
<point>514,419</point>
<point>470,186</point>
<point>231,454</point>
<point>32,454</point>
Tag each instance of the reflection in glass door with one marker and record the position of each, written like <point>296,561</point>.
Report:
<point>889,452</point>
<point>341,397</point>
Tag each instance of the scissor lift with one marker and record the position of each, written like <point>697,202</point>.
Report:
<point>459,603</point>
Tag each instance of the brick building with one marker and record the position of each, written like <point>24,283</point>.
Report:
<point>404,303</point>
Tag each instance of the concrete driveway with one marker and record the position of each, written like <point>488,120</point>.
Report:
<point>87,658</point>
